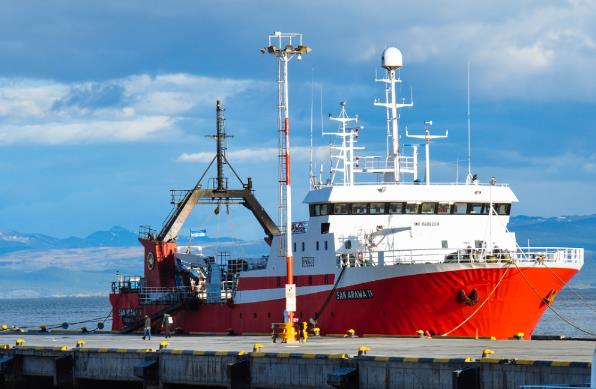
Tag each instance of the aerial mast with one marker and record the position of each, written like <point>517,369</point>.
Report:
<point>392,60</point>
<point>285,47</point>
<point>427,138</point>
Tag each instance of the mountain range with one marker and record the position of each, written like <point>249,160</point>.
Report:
<point>32,264</point>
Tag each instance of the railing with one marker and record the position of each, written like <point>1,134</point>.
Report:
<point>550,255</point>
<point>162,295</point>
<point>147,232</point>
<point>381,182</point>
<point>124,284</point>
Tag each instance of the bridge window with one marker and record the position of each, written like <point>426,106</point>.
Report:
<point>395,208</point>
<point>341,209</point>
<point>475,209</point>
<point>443,208</point>
<point>502,209</point>
<point>377,208</point>
<point>359,209</point>
<point>325,228</point>
<point>428,208</point>
<point>319,209</point>
<point>460,208</point>
<point>412,208</point>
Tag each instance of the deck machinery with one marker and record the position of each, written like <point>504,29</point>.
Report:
<point>165,286</point>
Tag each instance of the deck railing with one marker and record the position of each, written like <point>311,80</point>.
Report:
<point>547,255</point>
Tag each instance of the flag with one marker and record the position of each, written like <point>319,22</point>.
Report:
<point>197,233</point>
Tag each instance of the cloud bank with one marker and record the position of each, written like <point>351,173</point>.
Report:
<point>135,108</point>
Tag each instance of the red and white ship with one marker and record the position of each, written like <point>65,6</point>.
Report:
<point>390,256</point>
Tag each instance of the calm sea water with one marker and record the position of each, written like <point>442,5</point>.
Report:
<point>580,310</point>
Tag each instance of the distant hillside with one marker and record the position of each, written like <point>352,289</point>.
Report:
<point>570,231</point>
<point>11,241</point>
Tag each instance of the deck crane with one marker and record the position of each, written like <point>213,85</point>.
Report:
<point>160,248</point>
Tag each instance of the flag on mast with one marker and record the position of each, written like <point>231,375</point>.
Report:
<point>196,233</point>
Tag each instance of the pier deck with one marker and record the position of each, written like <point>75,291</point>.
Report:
<point>555,350</point>
<point>322,362</point>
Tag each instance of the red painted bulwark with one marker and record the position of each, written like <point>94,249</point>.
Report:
<point>162,273</point>
<point>396,306</point>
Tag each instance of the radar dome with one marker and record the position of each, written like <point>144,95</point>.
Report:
<point>392,58</point>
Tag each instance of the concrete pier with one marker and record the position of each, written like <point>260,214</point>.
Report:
<point>227,361</point>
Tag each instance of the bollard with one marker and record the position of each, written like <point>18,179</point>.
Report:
<point>257,347</point>
<point>351,333</point>
<point>19,342</point>
<point>362,350</point>
<point>487,352</point>
<point>80,343</point>
<point>519,336</point>
<point>163,345</point>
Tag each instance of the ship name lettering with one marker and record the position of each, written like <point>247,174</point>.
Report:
<point>354,294</point>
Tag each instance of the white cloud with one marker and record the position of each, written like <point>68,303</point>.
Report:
<point>130,109</point>
<point>526,50</point>
<point>258,154</point>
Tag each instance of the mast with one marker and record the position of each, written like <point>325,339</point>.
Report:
<point>427,138</point>
<point>469,175</point>
<point>392,60</point>
<point>285,46</point>
<point>345,152</point>
<point>220,137</point>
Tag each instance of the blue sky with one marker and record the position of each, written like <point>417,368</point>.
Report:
<point>104,104</point>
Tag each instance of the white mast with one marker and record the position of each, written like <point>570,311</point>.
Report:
<point>311,174</point>
<point>345,153</point>
<point>392,60</point>
<point>427,138</point>
<point>469,175</point>
<point>284,52</point>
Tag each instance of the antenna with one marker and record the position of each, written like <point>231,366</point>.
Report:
<point>312,100</point>
<point>321,112</point>
<point>427,138</point>
<point>392,61</point>
<point>285,47</point>
<point>469,175</point>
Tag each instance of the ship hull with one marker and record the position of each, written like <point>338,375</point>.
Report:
<point>499,300</point>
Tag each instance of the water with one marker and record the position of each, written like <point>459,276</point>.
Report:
<point>37,311</point>
<point>33,312</point>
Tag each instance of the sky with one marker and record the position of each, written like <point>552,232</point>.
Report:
<point>104,105</point>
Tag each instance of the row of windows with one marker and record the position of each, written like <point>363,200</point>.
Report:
<point>317,245</point>
<point>428,208</point>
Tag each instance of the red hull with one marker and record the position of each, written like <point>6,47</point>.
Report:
<point>398,306</point>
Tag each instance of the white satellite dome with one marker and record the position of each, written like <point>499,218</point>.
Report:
<point>392,58</point>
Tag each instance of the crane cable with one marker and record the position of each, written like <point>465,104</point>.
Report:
<point>481,305</point>
<point>560,316</point>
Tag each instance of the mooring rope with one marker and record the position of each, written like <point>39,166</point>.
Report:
<point>563,283</point>
<point>481,305</point>
<point>101,319</point>
<point>560,316</point>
